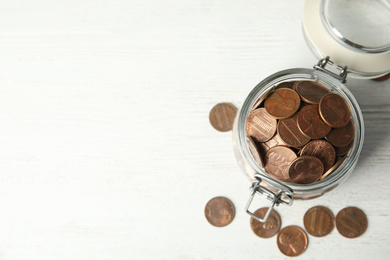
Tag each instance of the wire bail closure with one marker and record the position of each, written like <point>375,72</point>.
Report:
<point>321,65</point>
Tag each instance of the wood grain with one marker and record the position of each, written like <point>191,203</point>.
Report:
<point>106,151</point>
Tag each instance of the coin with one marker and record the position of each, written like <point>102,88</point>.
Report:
<point>277,161</point>
<point>266,229</point>
<point>322,150</point>
<point>282,103</point>
<point>222,116</point>
<point>305,169</point>
<point>286,84</point>
<point>290,133</point>
<point>219,211</point>
<point>341,151</point>
<point>351,222</point>
<point>260,125</point>
<point>341,137</point>
<point>254,151</point>
<point>334,167</point>
<point>318,221</point>
<point>311,124</point>
<point>334,110</point>
<point>310,91</point>
<point>385,77</point>
<point>292,241</point>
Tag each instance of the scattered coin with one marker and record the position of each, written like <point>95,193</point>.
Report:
<point>219,211</point>
<point>341,151</point>
<point>343,136</point>
<point>290,133</point>
<point>305,169</point>
<point>334,110</point>
<point>292,241</point>
<point>277,161</point>
<point>310,91</point>
<point>351,222</point>
<point>255,152</point>
<point>266,229</point>
<point>322,150</point>
<point>260,125</point>
<point>318,221</point>
<point>282,103</point>
<point>334,167</point>
<point>385,77</point>
<point>310,123</point>
<point>222,116</point>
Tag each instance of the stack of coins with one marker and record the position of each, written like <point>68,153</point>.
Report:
<point>301,132</point>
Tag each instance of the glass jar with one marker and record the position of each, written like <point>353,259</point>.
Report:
<point>319,18</point>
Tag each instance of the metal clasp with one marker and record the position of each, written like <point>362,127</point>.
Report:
<point>321,65</point>
<point>282,197</point>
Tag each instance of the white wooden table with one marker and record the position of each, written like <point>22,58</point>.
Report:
<point>106,151</point>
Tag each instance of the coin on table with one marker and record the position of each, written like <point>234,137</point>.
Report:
<point>351,222</point>
<point>341,151</point>
<point>266,229</point>
<point>277,161</point>
<point>311,92</point>
<point>318,221</point>
<point>219,211</point>
<point>343,136</point>
<point>290,133</point>
<point>254,151</point>
<point>385,77</point>
<point>334,167</point>
<point>322,150</point>
<point>292,241</point>
<point>305,169</point>
<point>334,110</point>
<point>311,124</point>
<point>222,116</point>
<point>260,125</point>
<point>282,103</point>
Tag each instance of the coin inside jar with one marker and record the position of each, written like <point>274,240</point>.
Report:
<point>343,136</point>
<point>266,229</point>
<point>255,152</point>
<point>351,222</point>
<point>292,241</point>
<point>310,91</point>
<point>334,167</point>
<point>277,161</point>
<point>318,221</point>
<point>334,110</point>
<point>290,133</point>
<point>260,125</point>
<point>219,211</point>
<point>222,116</point>
<point>282,103</point>
<point>305,169</point>
<point>322,150</point>
<point>311,124</point>
<point>341,151</point>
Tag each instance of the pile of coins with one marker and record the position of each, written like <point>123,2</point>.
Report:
<point>301,132</point>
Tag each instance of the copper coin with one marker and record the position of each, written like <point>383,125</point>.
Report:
<point>334,110</point>
<point>277,161</point>
<point>341,151</point>
<point>322,150</point>
<point>341,137</point>
<point>255,152</point>
<point>282,103</point>
<point>351,222</point>
<point>318,221</point>
<point>334,167</point>
<point>266,229</point>
<point>260,125</point>
<point>311,124</point>
<point>219,211</point>
<point>286,84</point>
<point>290,133</point>
<point>305,169</point>
<point>258,103</point>
<point>292,241</point>
<point>222,116</point>
<point>311,92</point>
<point>274,141</point>
<point>385,77</point>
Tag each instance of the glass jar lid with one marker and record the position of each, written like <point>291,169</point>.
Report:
<point>353,33</point>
